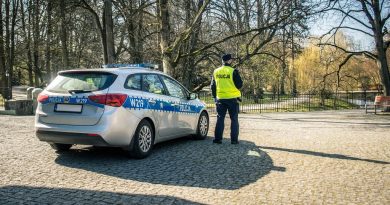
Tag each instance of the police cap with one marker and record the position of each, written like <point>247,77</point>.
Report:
<point>226,57</point>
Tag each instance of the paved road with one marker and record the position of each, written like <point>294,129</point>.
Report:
<point>283,158</point>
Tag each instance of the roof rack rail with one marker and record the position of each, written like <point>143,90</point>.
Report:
<point>138,65</point>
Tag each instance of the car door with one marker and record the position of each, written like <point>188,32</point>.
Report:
<point>161,106</point>
<point>187,116</point>
<point>136,103</point>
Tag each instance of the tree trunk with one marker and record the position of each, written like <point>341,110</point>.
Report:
<point>108,22</point>
<point>8,49</point>
<point>64,36</point>
<point>168,48</point>
<point>49,75</point>
<point>164,34</point>
<point>101,26</point>
<point>383,66</point>
<point>140,42</point>
<point>3,70</point>
<point>380,48</point>
<point>103,35</point>
<point>132,39</point>
<point>135,40</point>
<point>293,72</point>
<point>37,72</point>
<point>27,36</point>
<point>15,7</point>
<point>284,64</point>
<point>28,46</point>
<point>189,62</point>
<point>165,29</point>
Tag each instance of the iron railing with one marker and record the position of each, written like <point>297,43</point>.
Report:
<point>299,102</point>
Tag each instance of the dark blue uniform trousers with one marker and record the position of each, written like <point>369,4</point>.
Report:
<point>232,106</point>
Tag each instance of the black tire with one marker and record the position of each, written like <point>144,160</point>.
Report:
<point>143,140</point>
<point>60,147</point>
<point>203,127</point>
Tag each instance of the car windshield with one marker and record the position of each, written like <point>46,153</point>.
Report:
<point>81,82</point>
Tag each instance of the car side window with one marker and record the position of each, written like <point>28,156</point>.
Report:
<point>133,82</point>
<point>151,83</point>
<point>174,88</point>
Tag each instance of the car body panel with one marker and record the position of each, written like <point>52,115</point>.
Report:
<point>171,117</point>
<point>90,115</point>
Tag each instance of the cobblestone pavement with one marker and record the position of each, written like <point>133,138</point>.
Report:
<point>283,158</point>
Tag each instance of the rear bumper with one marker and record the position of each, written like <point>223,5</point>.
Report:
<point>116,128</point>
<point>70,138</point>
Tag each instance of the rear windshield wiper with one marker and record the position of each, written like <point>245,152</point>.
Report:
<point>78,91</point>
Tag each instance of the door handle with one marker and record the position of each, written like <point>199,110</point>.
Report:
<point>152,101</point>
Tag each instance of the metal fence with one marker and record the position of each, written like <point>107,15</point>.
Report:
<point>289,103</point>
<point>299,102</point>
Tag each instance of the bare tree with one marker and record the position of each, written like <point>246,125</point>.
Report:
<point>109,29</point>
<point>64,35</point>
<point>3,70</point>
<point>49,10</point>
<point>26,30</point>
<point>104,26</point>
<point>368,17</point>
<point>170,48</point>
<point>136,18</point>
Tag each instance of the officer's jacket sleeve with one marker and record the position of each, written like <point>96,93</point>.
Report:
<point>237,79</point>
<point>213,88</point>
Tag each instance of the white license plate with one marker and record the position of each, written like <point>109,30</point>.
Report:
<point>68,108</point>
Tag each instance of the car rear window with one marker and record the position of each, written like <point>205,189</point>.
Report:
<point>81,82</point>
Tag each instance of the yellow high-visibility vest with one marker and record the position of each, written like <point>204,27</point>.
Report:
<point>225,87</point>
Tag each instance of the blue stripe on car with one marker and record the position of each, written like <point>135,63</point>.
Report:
<point>160,105</point>
<point>132,103</point>
<point>71,100</point>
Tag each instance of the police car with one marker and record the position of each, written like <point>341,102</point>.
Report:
<point>129,106</point>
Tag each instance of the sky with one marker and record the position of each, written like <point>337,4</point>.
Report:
<point>327,22</point>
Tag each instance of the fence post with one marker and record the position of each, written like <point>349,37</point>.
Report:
<point>352,96</point>
<point>260,103</point>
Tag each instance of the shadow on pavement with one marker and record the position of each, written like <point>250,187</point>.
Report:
<point>316,120</point>
<point>181,162</point>
<point>348,120</point>
<point>44,195</point>
<point>321,154</point>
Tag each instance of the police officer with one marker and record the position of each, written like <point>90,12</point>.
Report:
<point>225,86</point>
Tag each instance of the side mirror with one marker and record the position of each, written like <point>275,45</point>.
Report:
<point>193,96</point>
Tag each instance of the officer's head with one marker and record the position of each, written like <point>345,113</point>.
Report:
<point>227,58</point>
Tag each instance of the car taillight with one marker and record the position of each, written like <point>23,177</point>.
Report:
<point>42,98</point>
<point>114,100</point>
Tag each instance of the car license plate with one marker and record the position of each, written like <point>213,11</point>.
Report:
<point>68,108</point>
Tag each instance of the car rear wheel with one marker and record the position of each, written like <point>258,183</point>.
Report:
<point>60,147</point>
<point>143,140</point>
<point>203,126</point>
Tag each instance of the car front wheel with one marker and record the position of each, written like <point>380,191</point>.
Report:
<point>203,126</point>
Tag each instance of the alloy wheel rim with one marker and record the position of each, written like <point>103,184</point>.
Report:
<point>203,125</point>
<point>145,139</point>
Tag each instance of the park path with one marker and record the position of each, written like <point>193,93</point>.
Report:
<point>283,158</point>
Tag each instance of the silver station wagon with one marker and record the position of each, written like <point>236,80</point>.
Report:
<point>129,106</point>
